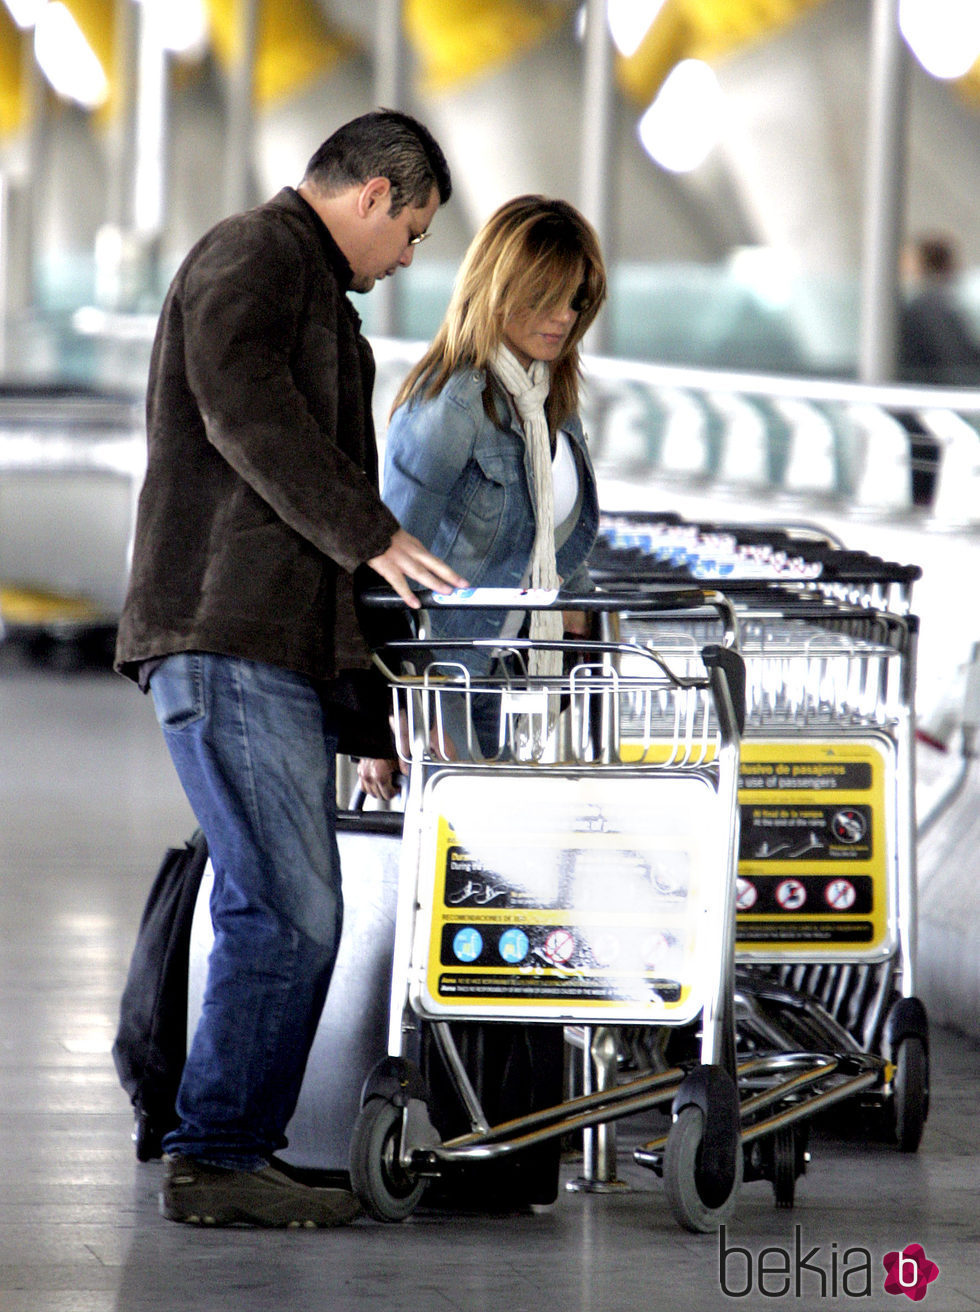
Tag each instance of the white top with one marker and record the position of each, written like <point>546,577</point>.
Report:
<point>564,475</point>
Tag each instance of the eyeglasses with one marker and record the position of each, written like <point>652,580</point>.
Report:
<point>417,241</point>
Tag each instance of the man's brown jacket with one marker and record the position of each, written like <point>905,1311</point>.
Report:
<point>261,494</point>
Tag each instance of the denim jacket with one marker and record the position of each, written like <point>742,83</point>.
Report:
<point>462,485</point>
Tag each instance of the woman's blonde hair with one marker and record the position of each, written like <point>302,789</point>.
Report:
<point>531,255</point>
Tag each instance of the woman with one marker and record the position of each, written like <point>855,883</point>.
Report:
<point>486,460</point>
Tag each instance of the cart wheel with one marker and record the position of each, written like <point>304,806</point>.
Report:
<point>784,1162</point>
<point>910,1085</point>
<point>683,1176</point>
<point>386,1190</point>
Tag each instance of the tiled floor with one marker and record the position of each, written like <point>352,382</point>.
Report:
<point>87,805</point>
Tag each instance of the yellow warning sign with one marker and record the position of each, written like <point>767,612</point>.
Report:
<point>815,847</point>
<point>556,896</point>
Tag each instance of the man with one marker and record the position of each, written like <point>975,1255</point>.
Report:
<point>936,343</point>
<point>260,502</point>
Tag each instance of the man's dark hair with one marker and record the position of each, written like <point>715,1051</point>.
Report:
<point>383,144</point>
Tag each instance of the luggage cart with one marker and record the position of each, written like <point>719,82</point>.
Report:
<point>825,939</point>
<point>580,871</point>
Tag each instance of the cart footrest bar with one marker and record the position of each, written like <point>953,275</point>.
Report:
<point>537,1127</point>
<point>814,1102</point>
<point>808,1100</point>
<point>603,1101</point>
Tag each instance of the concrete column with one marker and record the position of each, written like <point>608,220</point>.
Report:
<point>597,138</point>
<point>122,133</point>
<point>389,93</point>
<point>885,168</point>
<point>240,125</point>
<point>19,206</point>
<point>127,246</point>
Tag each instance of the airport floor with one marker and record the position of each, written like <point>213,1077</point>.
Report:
<point>87,806</point>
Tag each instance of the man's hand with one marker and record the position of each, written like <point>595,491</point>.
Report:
<point>382,778</point>
<point>379,778</point>
<point>405,559</point>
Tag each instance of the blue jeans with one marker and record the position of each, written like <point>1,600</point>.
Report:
<point>258,764</point>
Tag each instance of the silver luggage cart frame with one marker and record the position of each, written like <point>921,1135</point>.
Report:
<point>548,877</point>
<point>580,869</point>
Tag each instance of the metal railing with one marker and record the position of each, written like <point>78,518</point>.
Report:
<point>800,446</point>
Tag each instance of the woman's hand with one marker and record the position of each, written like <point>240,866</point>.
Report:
<point>576,622</point>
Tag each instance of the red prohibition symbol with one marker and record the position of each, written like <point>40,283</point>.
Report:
<point>746,894</point>
<point>790,894</point>
<point>849,826</point>
<point>840,894</point>
<point>559,946</point>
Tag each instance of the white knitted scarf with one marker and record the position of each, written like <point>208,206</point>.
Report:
<point>529,391</point>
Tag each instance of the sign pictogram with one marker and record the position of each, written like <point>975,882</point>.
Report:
<point>849,825</point>
<point>468,944</point>
<point>746,894</point>
<point>790,894</point>
<point>513,946</point>
<point>559,946</point>
<point>840,894</point>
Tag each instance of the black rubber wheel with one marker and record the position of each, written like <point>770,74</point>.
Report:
<point>910,1092</point>
<point>385,1189</point>
<point>784,1160</point>
<point>683,1173</point>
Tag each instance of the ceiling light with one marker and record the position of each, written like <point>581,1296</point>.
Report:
<point>25,12</point>
<point>944,35</point>
<point>683,124</point>
<point>629,22</point>
<point>66,58</point>
<point>180,25</point>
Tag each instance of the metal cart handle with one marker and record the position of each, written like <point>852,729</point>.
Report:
<point>663,600</point>
<point>724,664</point>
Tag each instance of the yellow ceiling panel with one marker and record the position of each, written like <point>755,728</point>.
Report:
<point>969,85</point>
<point>460,39</point>
<point>295,44</point>
<point>701,29</point>
<point>668,41</point>
<point>12,98</point>
<point>97,19</point>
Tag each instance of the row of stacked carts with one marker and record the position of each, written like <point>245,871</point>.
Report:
<point>691,832</point>
<point>825,886</point>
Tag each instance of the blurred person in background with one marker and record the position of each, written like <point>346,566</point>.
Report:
<point>937,343</point>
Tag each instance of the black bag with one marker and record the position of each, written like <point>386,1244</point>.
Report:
<point>151,1042</point>
<point>358,703</point>
<point>514,1069</point>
